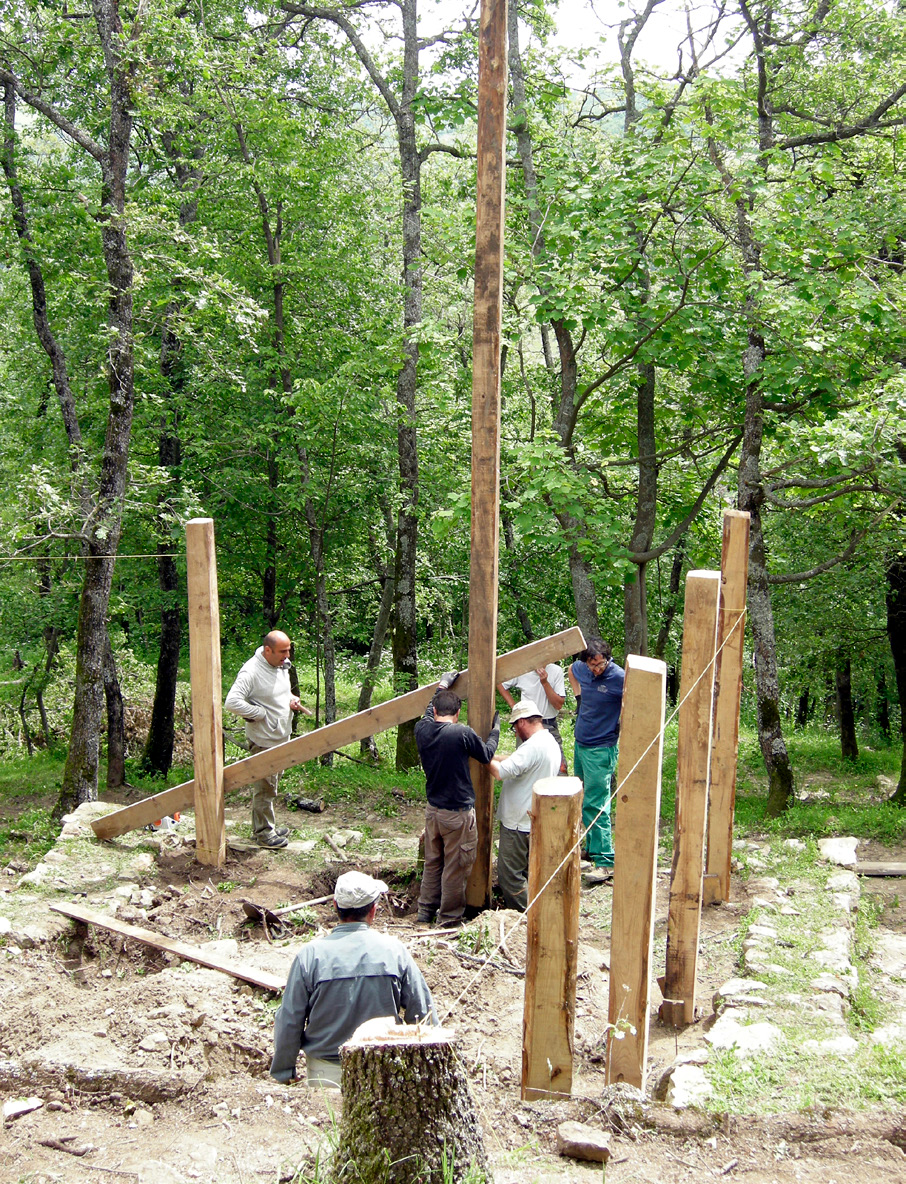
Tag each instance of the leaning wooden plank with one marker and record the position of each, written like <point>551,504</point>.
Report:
<point>879,869</point>
<point>181,949</point>
<point>334,736</point>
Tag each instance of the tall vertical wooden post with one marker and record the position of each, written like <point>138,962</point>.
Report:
<point>204,664</point>
<point>635,834</point>
<point>734,574</point>
<point>492,90</point>
<point>693,761</point>
<point>552,938</point>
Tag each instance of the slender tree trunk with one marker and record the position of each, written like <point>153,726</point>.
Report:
<point>635,599</point>
<point>116,722</point>
<point>761,617</point>
<point>673,599</point>
<point>804,708</point>
<point>515,582</point>
<point>375,652</point>
<point>843,678</point>
<point>405,636</point>
<point>883,709</point>
<point>896,636</point>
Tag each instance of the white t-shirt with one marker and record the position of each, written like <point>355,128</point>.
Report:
<point>538,757</point>
<point>530,687</point>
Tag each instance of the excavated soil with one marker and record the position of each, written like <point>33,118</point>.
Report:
<point>154,1070</point>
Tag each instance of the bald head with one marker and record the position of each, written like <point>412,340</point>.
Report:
<point>276,648</point>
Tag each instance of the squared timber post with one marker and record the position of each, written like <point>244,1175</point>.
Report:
<point>552,939</point>
<point>635,833</point>
<point>492,93</point>
<point>204,665</point>
<point>693,761</point>
<point>734,574</point>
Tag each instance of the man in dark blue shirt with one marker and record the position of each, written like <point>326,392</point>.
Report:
<point>598,679</point>
<point>451,832</point>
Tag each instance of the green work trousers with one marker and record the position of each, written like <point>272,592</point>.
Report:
<point>595,768</point>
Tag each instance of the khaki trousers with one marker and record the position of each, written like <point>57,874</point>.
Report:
<point>451,844</point>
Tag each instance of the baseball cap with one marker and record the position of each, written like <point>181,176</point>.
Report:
<point>354,890</point>
<point>524,709</point>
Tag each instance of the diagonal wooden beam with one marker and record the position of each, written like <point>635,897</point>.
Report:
<point>334,736</point>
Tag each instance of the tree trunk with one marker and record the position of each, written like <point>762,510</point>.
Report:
<point>849,746</point>
<point>761,617</point>
<point>80,774</point>
<point>116,722</point>
<point>515,582</point>
<point>804,708</point>
<point>635,601</point>
<point>896,636</point>
<point>408,1115</point>
<point>673,599</point>
<point>378,636</point>
<point>883,708</point>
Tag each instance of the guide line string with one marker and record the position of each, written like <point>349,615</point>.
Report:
<point>604,809</point>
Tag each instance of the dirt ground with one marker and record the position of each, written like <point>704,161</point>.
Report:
<point>155,1070</point>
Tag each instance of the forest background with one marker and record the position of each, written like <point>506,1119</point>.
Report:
<point>235,281</point>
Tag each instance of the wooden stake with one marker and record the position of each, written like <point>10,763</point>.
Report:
<point>552,939</point>
<point>204,665</point>
<point>492,91</point>
<point>635,833</point>
<point>693,759</point>
<point>334,736</point>
<point>734,573</point>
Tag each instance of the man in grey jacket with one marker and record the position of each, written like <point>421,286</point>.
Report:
<point>339,981</point>
<point>261,695</point>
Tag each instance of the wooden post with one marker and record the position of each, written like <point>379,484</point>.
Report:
<point>333,736</point>
<point>552,939</point>
<point>693,759</point>
<point>734,574</point>
<point>204,665</point>
<point>492,91</point>
<point>635,834</point>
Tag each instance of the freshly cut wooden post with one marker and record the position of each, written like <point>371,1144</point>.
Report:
<point>407,1109</point>
<point>693,759</point>
<point>552,939</point>
<point>492,91</point>
<point>635,834</point>
<point>204,666</point>
<point>334,736</point>
<point>734,573</point>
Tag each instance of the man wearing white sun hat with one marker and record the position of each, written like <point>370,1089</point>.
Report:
<point>339,981</point>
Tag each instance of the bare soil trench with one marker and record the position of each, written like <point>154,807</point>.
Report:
<point>155,1070</point>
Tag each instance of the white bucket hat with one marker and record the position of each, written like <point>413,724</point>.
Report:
<point>524,709</point>
<point>354,890</point>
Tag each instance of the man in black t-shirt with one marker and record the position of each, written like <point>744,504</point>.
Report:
<point>451,833</point>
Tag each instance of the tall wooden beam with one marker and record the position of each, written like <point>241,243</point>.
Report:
<point>635,832</point>
<point>492,89</point>
<point>336,735</point>
<point>734,574</point>
<point>693,761</point>
<point>552,939</point>
<point>204,663</point>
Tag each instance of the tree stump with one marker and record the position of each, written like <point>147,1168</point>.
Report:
<point>408,1115</point>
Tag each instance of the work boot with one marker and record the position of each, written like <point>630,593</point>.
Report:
<point>281,830</point>
<point>272,840</point>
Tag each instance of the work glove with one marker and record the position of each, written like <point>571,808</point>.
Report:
<point>447,679</point>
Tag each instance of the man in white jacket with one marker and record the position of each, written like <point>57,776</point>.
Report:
<point>261,695</point>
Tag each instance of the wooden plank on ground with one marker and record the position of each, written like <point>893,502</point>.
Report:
<point>487,321</point>
<point>635,835</point>
<point>207,696</point>
<point>734,574</point>
<point>870,868</point>
<point>693,761</point>
<point>552,939</point>
<point>260,978</point>
<point>334,736</point>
